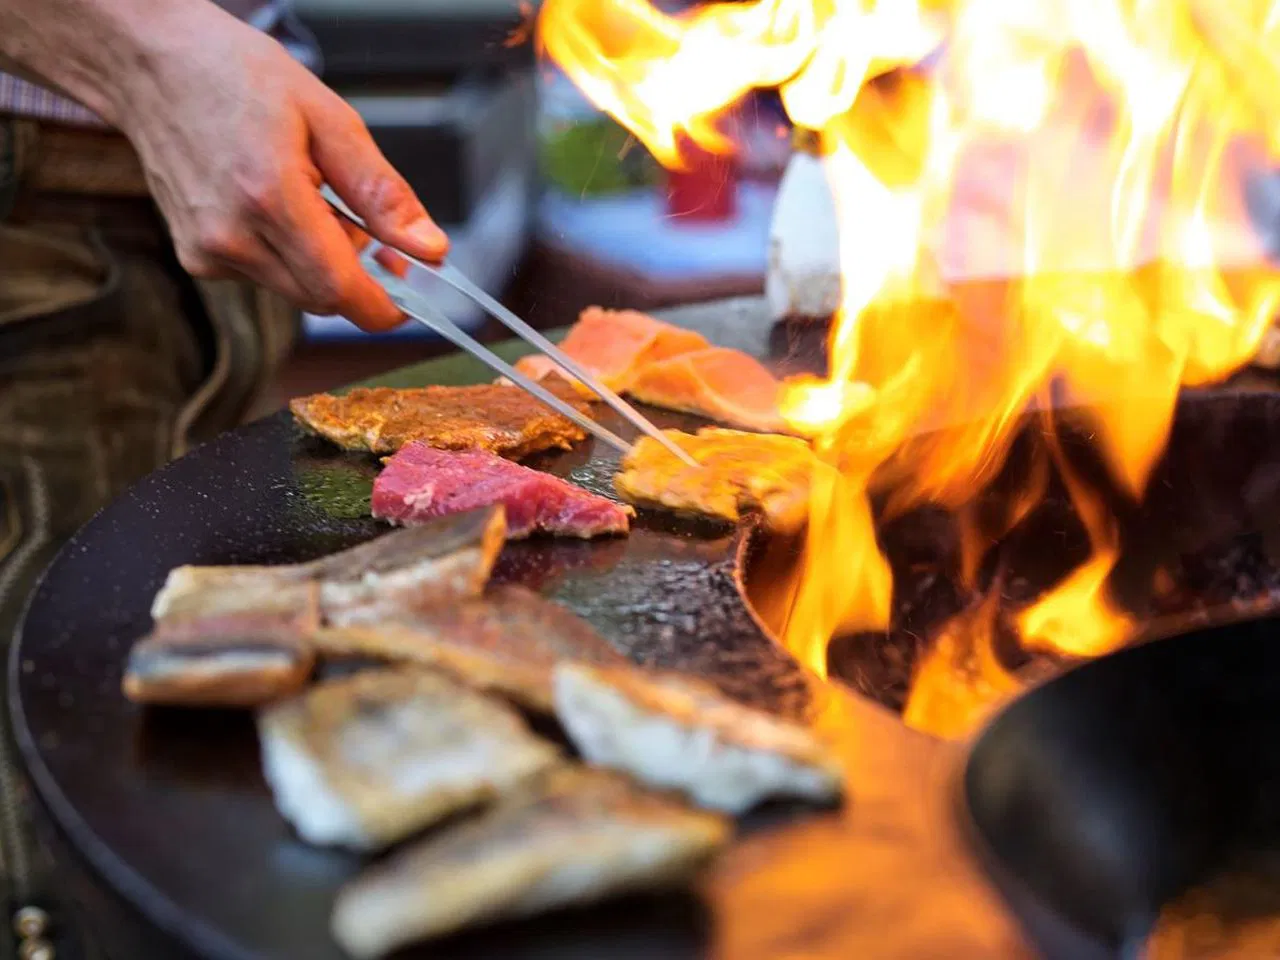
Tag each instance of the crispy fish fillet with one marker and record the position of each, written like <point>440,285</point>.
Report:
<point>445,559</point>
<point>486,417</point>
<point>421,482</point>
<point>673,732</point>
<point>366,760</point>
<point>508,643</point>
<point>613,345</point>
<point>724,385</point>
<point>589,835</point>
<point>738,471</point>
<point>241,660</point>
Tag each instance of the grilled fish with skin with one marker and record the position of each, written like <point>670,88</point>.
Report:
<point>366,760</point>
<point>489,417</point>
<point>589,835</point>
<point>507,642</point>
<point>443,560</point>
<point>736,471</point>
<point>673,732</point>
<point>230,661</point>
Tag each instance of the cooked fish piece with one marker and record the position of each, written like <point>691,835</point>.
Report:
<point>508,642</point>
<point>485,417</point>
<point>240,660</point>
<point>737,472</point>
<point>718,383</point>
<point>613,345</point>
<point>673,732</point>
<point>588,836</point>
<point>420,483</point>
<point>446,559</point>
<point>366,760</point>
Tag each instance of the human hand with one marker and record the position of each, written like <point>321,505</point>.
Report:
<point>236,138</point>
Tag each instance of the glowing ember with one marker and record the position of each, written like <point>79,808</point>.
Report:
<point>1117,135</point>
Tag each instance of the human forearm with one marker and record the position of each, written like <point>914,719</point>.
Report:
<point>95,51</point>
<point>235,138</point>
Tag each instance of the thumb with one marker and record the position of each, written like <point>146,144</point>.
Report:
<point>345,154</point>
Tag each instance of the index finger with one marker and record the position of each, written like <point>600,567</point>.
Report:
<point>310,239</point>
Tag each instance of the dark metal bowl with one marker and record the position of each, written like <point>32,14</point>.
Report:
<point>1102,796</point>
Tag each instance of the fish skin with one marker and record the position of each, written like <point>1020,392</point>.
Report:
<point>446,559</point>
<point>226,661</point>
<point>676,733</point>
<point>588,835</point>
<point>489,417</point>
<point>507,642</point>
<point>366,760</point>
<point>737,471</point>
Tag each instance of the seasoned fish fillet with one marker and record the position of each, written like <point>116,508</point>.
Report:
<point>508,642</point>
<point>445,559</point>
<point>738,471</point>
<point>588,836</point>
<point>420,483</point>
<point>724,385</point>
<point>485,417</point>
<point>366,760</point>
<point>239,660</point>
<point>613,345</point>
<point>673,732</point>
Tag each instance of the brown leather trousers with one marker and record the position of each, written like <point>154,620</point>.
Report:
<point>112,361</point>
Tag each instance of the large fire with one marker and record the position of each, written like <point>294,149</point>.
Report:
<point>1120,133</point>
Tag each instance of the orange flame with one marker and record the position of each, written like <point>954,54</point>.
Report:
<point>1090,152</point>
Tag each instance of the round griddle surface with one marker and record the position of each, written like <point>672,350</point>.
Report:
<point>170,808</point>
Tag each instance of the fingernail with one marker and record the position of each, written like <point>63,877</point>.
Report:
<point>429,235</point>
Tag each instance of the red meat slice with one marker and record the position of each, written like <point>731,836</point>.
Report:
<point>421,482</point>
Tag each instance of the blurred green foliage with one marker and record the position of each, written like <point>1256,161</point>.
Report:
<point>596,157</point>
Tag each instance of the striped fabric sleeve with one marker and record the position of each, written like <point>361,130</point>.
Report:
<point>22,98</point>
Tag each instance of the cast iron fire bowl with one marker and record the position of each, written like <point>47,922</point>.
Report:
<point>1133,781</point>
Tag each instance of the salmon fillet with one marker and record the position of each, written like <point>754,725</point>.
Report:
<point>489,417</point>
<point>421,483</point>
<point>613,345</point>
<point>737,472</point>
<point>724,385</point>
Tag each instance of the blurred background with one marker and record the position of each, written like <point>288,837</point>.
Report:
<point>550,205</point>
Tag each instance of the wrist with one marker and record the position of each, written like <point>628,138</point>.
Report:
<point>150,35</point>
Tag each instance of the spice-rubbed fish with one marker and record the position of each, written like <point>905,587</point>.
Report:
<point>737,471</point>
<point>445,559</point>
<point>363,761</point>
<point>673,732</point>
<point>588,836</point>
<point>507,642</point>
<point>485,417</point>
<point>228,661</point>
<point>420,483</point>
<point>613,345</point>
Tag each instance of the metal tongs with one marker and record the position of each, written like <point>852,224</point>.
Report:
<point>416,307</point>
